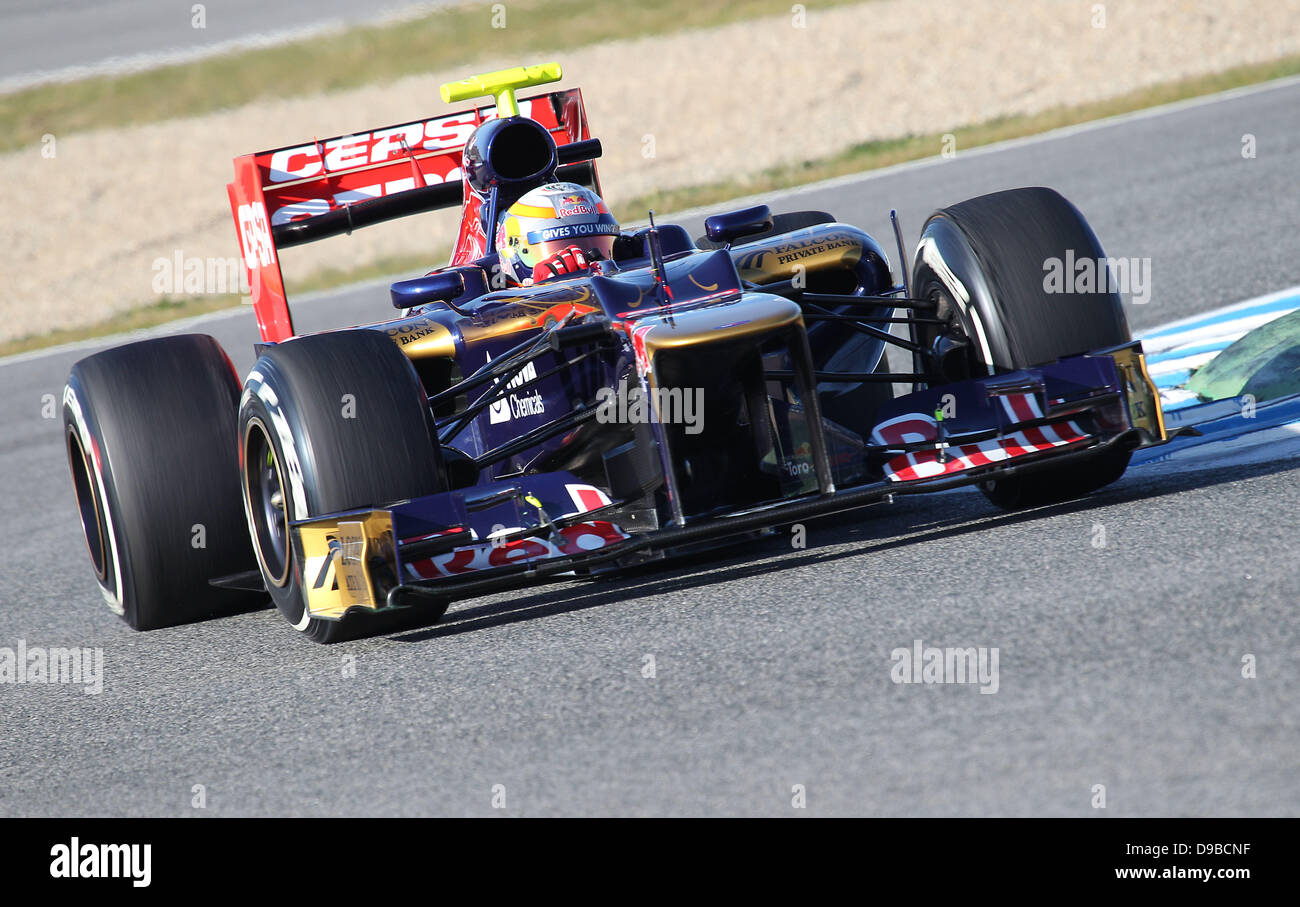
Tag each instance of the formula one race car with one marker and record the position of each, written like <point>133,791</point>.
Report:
<point>673,394</point>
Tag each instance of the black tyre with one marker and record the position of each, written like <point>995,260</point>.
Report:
<point>150,435</point>
<point>984,261</point>
<point>328,423</point>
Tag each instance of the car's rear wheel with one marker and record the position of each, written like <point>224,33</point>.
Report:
<point>984,261</point>
<point>329,423</point>
<point>149,430</point>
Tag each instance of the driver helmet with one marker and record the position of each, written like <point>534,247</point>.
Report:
<point>549,219</point>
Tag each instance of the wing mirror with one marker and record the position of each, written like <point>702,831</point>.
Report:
<point>732,225</point>
<point>443,286</point>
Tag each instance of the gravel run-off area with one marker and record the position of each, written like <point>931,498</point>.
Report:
<point>87,224</point>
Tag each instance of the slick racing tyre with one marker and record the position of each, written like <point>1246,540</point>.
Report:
<point>150,435</point>
<point>328,423</point>
<point>984,261</point>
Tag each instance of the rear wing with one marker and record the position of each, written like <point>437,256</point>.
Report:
<point>301,193</point>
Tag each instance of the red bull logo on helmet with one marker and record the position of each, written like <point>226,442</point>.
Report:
<point>573,206</point>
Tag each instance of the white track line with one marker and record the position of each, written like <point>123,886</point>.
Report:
<point>1036,138</point>
<point>142,62</point>
<point>181,324</point>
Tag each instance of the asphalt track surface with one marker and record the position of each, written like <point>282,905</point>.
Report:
<point>42,40</point>
<point>1120,665</point>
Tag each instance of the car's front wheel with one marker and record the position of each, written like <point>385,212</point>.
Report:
<point>984,261</point>
<point>329,423</point>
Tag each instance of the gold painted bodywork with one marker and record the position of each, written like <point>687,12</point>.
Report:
<point>763,314</point>
<point>1140,394</point>
<point>804,251</point>
<point>338,552</point>
<point>422,336</point>
<point>430,335</point>
<point>529,313</point>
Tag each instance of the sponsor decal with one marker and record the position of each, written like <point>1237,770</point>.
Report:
<point>408,333</point>
<point>255,236</point>
<point>796,468</point>
<point>573,206</point>
<point>359,166</point>
<point>512,406</point>
<point>921,428</point>
<point>379,147</point>
<point>491,552</point>
<point>571,231</point>
<point>790,252</point>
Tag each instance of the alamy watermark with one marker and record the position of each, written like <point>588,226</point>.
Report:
<point>1099,275</point>
<point>931,664</point>
<point>667,405</point>
<point>75,860</point>
<point>38,664</point>
<point>182,275</point>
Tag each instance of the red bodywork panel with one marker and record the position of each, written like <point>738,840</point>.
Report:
<point>297,182</point>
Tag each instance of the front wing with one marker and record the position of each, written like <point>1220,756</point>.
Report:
<point>518,531</point>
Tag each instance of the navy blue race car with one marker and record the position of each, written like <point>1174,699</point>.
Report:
<point>567,397</point>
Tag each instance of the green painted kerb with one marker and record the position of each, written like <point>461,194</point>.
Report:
<point>1265,364</point>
